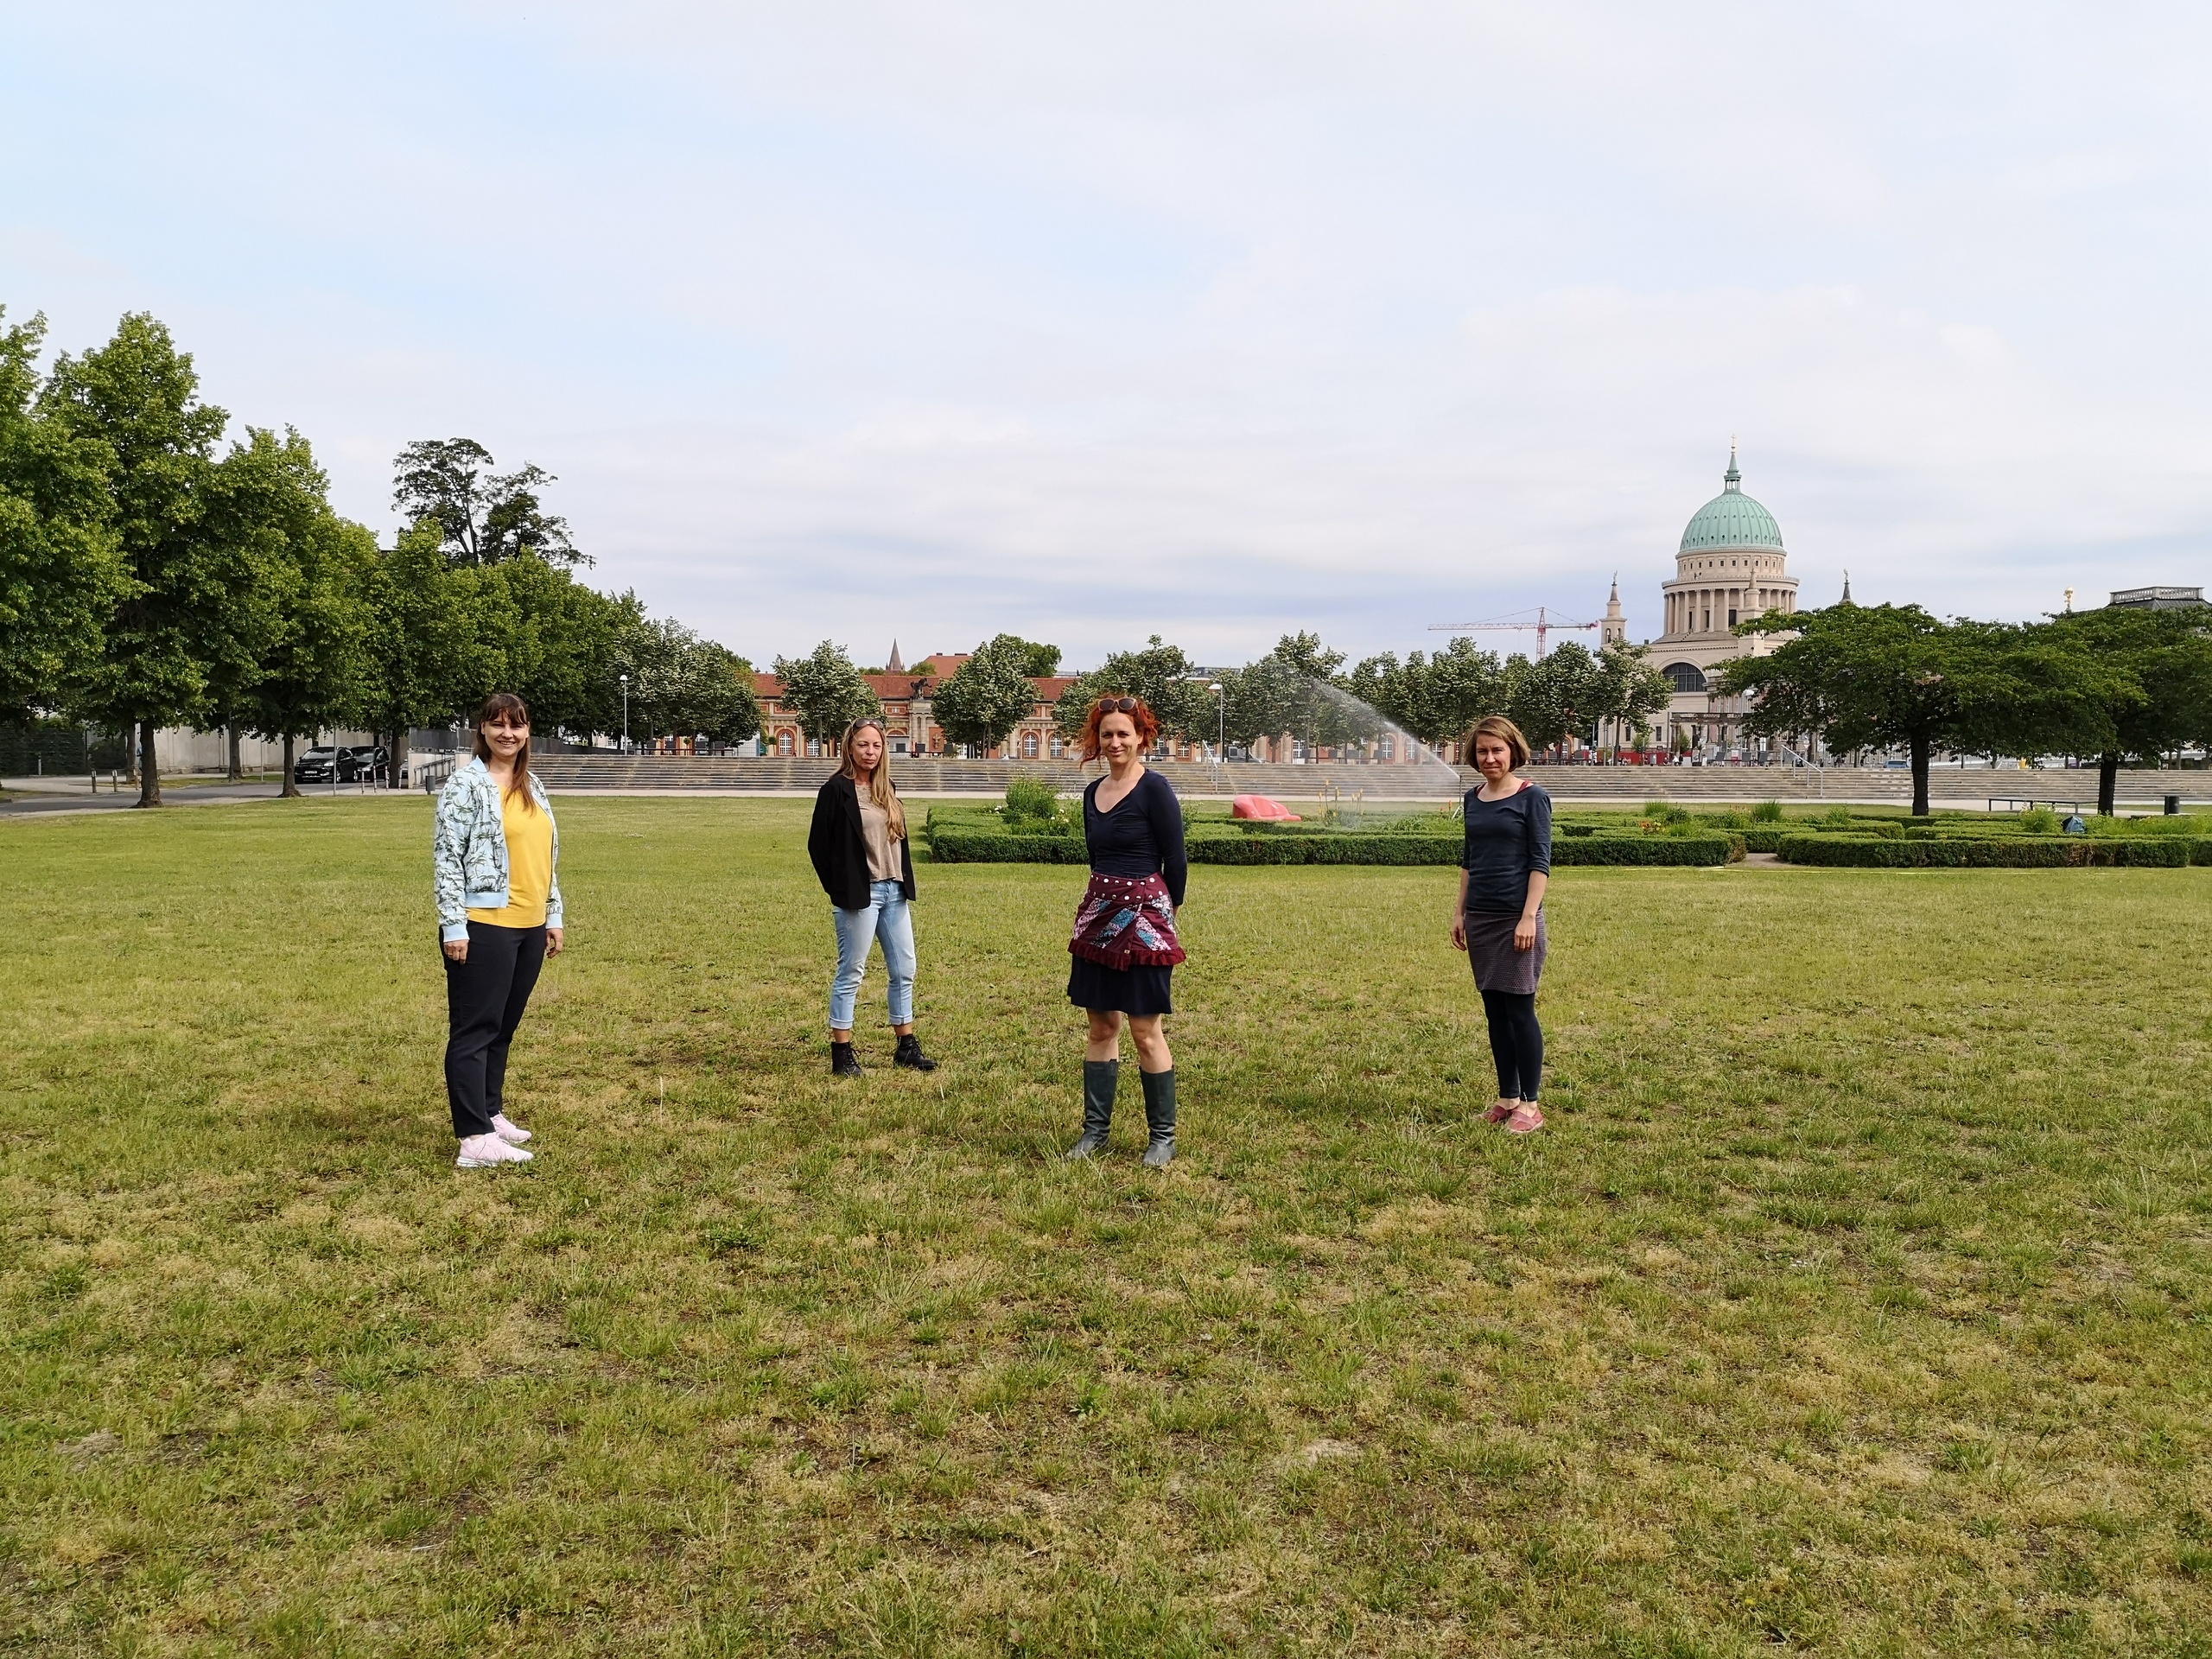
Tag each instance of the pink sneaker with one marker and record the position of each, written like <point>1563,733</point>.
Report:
<point>482,1151</point>
<point>513,1134</point>
<point>1499,1113</point>
<point>1526,1119</point>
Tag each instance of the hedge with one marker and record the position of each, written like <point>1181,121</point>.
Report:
<point>996,847</point>
<point>1991,852</point>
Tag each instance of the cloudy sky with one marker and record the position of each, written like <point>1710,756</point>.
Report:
<point>929,320</point>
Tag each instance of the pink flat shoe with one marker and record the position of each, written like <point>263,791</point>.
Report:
<point>1500,1112</point>
<point>1526,1119</point>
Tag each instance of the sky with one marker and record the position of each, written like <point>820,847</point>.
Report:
<point>1217,321</point>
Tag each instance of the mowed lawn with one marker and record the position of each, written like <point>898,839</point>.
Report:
<point>1855,1301</point>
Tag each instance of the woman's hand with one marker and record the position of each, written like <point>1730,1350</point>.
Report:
<point>455,950</point>
<point>1459,931</point>
<point>1524,934</point>
<point>553,941</point>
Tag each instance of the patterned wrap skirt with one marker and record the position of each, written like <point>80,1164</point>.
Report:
<point>1498,965</point>
<point>1123,946</point>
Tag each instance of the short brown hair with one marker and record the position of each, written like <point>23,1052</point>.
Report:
<point>1146,722</point>
<point>1496,726</point>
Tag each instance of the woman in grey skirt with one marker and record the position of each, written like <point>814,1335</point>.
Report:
<point>1505,864</point>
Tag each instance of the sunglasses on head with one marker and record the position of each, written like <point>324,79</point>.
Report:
<point>1117,705</point>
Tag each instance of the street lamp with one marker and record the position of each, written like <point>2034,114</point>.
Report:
<point>1220,721</point>
<point>625,713</point>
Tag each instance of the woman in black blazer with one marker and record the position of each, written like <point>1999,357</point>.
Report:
<point>859,847</point>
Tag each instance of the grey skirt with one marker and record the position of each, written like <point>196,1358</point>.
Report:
<point>1498,965</point>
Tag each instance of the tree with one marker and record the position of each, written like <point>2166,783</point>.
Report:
<point>1433,699</point>
<point>826,692</point>
<point>990,693</point>
<point>2142,688</point>
<point>683,685</point>
<point>315,668</point>
<point>1878,676</point>
<point>185,612</point>
<point>427,661</point>
<point>1161,674</point>
<point>1630,690</point>
<point>482,516</point>
<point>566,645</point>
<point>61,575</point>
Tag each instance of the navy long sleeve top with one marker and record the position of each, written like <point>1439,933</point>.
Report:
<point>1142,835</point>
<point>1507,842</point>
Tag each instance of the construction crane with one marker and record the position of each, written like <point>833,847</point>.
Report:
<point>1544,624</point>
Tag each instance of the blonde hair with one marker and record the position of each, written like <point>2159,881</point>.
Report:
<point>1499,727</point>
<point>879,782</point>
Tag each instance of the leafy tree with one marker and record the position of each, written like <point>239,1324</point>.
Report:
<point>1044,661</point>
<point>1879,676</point>
<point>482,516</point>
<point>1433,699</point>
<point>2139,683</point>
<point>314,666</point>
<point>683,685</point>
<point>826,692</point>
<point>1630,689</point>
<point>564,644</point>
<point>1556,697</point>
<point>187,610</point>
<point>990,693</point>
<point>1161,674</point>
<point>428,663</point>
<point>60,574</point>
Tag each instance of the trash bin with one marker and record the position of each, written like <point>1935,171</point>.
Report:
<point>2173,806</point>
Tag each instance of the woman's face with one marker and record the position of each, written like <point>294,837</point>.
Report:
<point>867,747</point>
<point>505,734</point>
<point>1117,737</point>
<point>1493,756</point>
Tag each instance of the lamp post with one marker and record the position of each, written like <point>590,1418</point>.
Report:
<point>625,713</point>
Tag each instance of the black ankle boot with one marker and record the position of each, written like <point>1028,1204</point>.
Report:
<point>1158,1116</point>
<point>842,1061</point>
<point>1100,1079</point>
<point>909,1053</point>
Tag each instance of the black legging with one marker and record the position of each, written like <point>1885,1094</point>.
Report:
<point>1516,1043</point>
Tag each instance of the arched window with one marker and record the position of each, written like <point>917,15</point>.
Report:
<point>1029,747</point>
<point>1684,677</point>
<point>1059,749</point>
<point>783,742</point>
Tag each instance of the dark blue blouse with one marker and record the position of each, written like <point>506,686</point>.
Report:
<point>1142,835</point>
<point>1507,842</point>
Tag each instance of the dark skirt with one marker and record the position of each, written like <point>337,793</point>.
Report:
<point>1498,965</point>
<point>1139,990</point>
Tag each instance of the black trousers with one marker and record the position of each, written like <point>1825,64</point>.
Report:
<point>484,998</point>
<point>1516,1043</point>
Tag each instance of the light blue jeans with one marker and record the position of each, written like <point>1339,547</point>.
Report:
<point>888,918</point>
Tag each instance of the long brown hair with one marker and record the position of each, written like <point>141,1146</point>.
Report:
<point>879,783</point>
<point>505,705</point>
<point>1142,717</point>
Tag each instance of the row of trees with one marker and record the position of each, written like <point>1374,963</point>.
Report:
<point>1301,687</point>
<point>2120,683</point>
<point>147,581</point>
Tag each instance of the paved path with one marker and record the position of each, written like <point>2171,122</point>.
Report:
<point>45,796</point>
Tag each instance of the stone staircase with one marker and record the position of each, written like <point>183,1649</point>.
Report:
<point>918,775</point>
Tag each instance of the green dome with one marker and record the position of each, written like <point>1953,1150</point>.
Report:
<point>1731,520</point>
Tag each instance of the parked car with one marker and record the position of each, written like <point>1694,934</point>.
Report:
<point>364,760</point>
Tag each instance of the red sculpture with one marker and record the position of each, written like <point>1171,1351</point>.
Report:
<point>1258,807</point>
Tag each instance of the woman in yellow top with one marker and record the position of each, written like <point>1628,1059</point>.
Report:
<point>496,855</point>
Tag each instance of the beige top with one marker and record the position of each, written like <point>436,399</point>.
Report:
<point>883,864</point>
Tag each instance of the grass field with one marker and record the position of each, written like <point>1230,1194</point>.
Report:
<point>1855,1302</point>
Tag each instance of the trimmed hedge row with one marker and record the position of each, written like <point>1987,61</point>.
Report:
<point>1987,852</point>
<point>967,847</point>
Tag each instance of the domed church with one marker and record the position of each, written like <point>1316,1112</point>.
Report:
<point>1730,566</point>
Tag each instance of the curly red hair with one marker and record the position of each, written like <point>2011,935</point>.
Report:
<point>1148,723</point>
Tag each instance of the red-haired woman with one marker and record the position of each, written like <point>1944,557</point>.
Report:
<point>495,860</point>
<point>1124,946</point>
<point>1505,864</point>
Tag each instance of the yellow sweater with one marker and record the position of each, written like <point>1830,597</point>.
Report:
<point>530,864</point>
